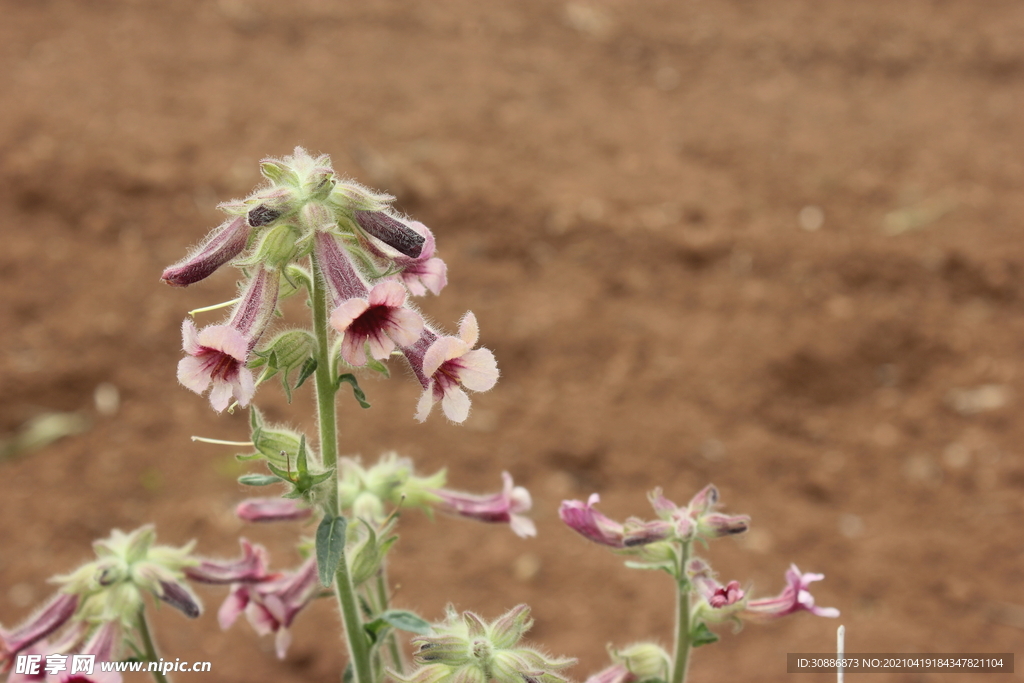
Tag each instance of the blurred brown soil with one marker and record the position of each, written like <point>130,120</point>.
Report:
<point>774,246</point>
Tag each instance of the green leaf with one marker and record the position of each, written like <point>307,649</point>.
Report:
<point>258,479</point>
<point>404,620</point>
<point>330,547</point>
<point>307,369</point>
<point>356,391</point>
<point>702,635</point>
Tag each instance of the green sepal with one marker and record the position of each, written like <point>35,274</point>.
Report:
<point>258,479</point>
<point>702,635</point>
<point>306,371</point>
<point>379,367</point>
<point>330,547</point>
<point>360,396</point>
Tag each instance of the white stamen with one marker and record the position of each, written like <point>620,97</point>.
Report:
<point>221,442</point>
<point>214,307</point>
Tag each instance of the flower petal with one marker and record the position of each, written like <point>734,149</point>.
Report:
<point>479,370</point>
<point>455,404</point>
<point>193,375</point>
<point>469,330</point>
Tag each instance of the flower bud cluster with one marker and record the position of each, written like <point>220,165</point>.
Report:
<point>466,649</point>
<point>369,260</point>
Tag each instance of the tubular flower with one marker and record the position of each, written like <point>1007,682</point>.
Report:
<point>719,602</point>
<point>381,320</point>
<point>272,510</point>
<point>217,355</point>
<point>425,272</point>
<point>271,606</point>
<point>391,231</point>
<point>47,621</point>
<point>446,366</point>
<point>505,506</point>
<point>377,316</point>
<point>222,245</point>
<point>795,597</point>
<point>585,520</point>
<point>250,568</point>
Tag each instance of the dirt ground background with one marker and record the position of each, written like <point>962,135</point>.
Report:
<point>775,246</point>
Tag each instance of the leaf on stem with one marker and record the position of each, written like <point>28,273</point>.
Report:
<point>330,547</point>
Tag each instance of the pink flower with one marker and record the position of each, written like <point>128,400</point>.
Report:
<point>272,510</point>
<point>499,507</point>
<point>217,354</point>
<point>223,244</point>
<point>48,620</point>
<point>271,606</point>
<point>716,595</point>
<point>616,673</point>
<point>381,320</point>
<point>446,366</point>
<point>699,517</point>
<point>585,520</point>
<point>795,597</point>
<point>54,665</point>
<point>250,568</point>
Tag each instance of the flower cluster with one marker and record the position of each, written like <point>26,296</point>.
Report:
<point>367,258</point>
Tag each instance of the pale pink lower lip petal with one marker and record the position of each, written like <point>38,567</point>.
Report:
<point>455,404</point>
<point>479,371</point>
<point>192,375</point>
<point>220,395</point>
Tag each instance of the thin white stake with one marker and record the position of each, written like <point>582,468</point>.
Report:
<point>840,650</point>
<point>221,442</point>
<point>214,307</point>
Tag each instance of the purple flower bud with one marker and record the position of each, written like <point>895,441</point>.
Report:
<point>222,245</point>
<point>182,599</point>
<point>589,523</point>
<point>499,507</point>
<point>342,280</point>
<point>272,510</point>
<point>251,567</point>
<point>54,615</point>
<point>391,232</point>
<point>795,597</point>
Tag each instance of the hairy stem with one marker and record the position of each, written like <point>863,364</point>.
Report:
<point>397,661</point>
<point>149,646</point>
<point>681,657</point>
<point>326,388</point>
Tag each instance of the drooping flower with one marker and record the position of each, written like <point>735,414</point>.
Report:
<point>446,366</point>
<point>714,593</point>
<point>272,510</point>
<point>795,597</point>
<point>585,520</point>
<point>425,272</point>
<point>271,606</point>
<point>381,320</point>
<point>251,567</point>
<point>217,355</point>
<point>391,231</point>
<point>506,506</point>
<point>54,615</point>
<point>222,245</point>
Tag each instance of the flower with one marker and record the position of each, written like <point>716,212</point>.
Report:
<point>505,506</point>
<point>698,518</point>
<point>46,621</point>
<point>446,366</point>
<point>715,594</point>
<point>272,510</point>
<point>795,597</point>
<point>391,232</point>
<point>426,272</point>
<point>381,320</point>
<point>271,605</point>
<point>249,568</point>
<point>585,520</point>
<point>223,244</point>
<point>217,354</point>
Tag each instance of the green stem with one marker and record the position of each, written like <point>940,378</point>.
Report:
<point>326,388</point>
<point>149,646</point>
<point>397,661</point>
<point>681,658</point>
